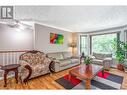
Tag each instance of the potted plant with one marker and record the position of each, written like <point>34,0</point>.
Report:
<point>87,60</point>
<point>121,48</point>
<point>120,57</point>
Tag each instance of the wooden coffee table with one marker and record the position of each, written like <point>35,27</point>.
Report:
<point>86,73</point>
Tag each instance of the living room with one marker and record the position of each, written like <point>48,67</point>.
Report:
<point>47,51</point>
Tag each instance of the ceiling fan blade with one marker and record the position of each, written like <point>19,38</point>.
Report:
<point>13,23</point>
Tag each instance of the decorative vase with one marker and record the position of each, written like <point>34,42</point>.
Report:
<point>88,67</point>
<point>120,67</point>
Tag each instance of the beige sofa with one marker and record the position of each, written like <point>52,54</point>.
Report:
<point>33,64</point>
<point>62,60</point>
<point>102,59</point>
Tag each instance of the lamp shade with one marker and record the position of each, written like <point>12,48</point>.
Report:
<point>72,44</point>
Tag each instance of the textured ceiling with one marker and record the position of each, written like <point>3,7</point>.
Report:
<point>75,18</point>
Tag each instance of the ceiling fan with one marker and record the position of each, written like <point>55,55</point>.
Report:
<point>13,23</point>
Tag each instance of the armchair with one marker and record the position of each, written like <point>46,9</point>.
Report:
<point>102,59</point>
<point>33,64</point>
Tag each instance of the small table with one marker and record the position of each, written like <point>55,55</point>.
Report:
<point>86,73</point>
<point>7,69</point>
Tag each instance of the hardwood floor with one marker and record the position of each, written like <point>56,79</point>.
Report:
<point>47,81</point>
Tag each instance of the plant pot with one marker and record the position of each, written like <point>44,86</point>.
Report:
<point>120,67</point>
<point>88,67</point>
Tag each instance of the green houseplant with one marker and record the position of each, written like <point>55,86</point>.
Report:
<point>121,48</point>
<point>87,61</point>
<point>120,57</point>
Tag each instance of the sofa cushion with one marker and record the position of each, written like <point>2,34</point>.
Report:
<point>38,68</point>
<point>98,56</point>
<point>97,61</point>
<point>67,55</point>
<point>65,62</point>
<point>57,56</point>
<point>107,55</point>
<point>73,60</point>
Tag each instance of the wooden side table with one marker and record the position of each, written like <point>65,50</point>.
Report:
<point>7,69</point>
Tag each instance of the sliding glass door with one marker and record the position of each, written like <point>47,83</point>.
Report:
<point>83,44</point>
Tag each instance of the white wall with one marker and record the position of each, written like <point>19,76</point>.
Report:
<point>42,39</point>
<point>15,39</point>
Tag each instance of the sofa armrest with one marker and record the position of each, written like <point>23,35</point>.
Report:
<point>29,74</point>
<point>51,66</point>
<point>47,61</point>
<point>54,66</point>
<point>107,59</point>
<point>23,62</point>
<point>25,67</point>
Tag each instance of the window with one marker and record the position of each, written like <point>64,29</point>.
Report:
<point>103,43</point>
<point>83,46</point>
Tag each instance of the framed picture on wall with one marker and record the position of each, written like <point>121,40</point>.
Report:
<point>56,38</point>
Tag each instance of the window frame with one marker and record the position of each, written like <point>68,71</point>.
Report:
<point>117,35</point>
<point>82,35</point>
